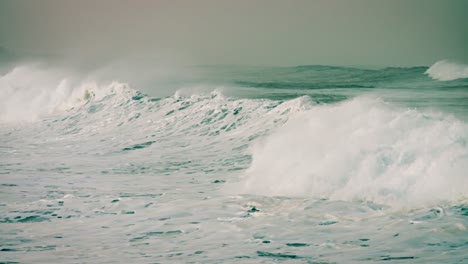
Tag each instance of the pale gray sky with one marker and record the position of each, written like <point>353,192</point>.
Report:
<point>255,32</point>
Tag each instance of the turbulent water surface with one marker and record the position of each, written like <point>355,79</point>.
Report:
<point>308,164</point>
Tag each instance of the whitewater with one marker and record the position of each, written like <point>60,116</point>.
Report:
<point>306,164</point>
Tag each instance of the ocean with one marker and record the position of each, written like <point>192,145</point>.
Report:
<point>236,164</point>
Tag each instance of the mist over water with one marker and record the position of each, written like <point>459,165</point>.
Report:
<point>232,163</point>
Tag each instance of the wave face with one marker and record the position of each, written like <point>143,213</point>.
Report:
<point>447,71</point>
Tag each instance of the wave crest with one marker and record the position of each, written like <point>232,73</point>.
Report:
<point>447,71</point>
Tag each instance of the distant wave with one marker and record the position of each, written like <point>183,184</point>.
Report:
<point>447,71</point>
<point>302,85</point>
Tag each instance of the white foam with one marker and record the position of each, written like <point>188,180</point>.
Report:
<point>447,71</point>
<point>363,149</point>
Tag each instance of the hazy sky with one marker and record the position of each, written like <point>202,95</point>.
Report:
<point>256,32</point>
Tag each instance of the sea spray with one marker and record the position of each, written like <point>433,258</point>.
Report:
<point>28,92</point>
<point>31,92</point>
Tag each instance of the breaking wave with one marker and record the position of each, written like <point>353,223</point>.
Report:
<point>447,71</point>
<point>363,149</point>
<point>28,93</point>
